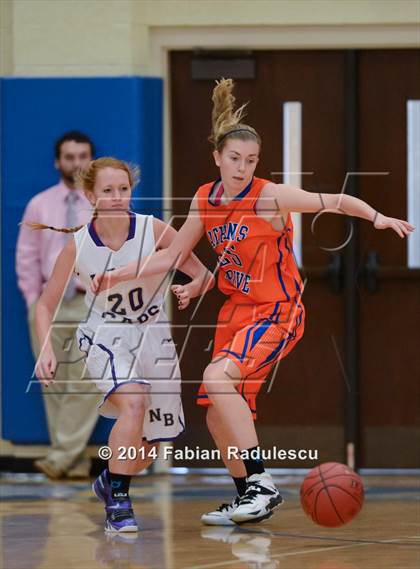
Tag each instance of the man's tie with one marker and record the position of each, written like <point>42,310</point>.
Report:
<point>71,221</point>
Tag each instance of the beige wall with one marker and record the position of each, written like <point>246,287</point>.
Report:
<point>115,37</point>
<point>269,12</point>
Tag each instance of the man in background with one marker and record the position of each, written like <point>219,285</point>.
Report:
<point>71,407</point>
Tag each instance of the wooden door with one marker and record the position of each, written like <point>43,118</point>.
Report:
<point>390,292</point>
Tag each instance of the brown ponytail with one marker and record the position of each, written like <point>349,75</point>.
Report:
<point>61,229</point>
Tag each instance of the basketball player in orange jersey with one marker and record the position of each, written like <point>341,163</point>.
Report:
<point>248,224</point>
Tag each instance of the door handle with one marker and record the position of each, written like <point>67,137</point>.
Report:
<point>334,273</point>
<point>370,271</point>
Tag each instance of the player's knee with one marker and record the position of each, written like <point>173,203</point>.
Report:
<point>135,406</point>
<point>211,379</point>
<point>217,379</point>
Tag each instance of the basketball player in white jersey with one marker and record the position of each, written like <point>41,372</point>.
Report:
<point>125,336</point>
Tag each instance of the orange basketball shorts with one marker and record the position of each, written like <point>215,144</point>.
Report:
<point>255,338</point>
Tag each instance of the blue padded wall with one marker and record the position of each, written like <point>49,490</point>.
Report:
<point>123,115</point>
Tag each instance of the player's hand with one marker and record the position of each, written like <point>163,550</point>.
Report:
<point>103,281</point>
<point>400,226</point>
<point>183,295</point>
<point>46,366</point>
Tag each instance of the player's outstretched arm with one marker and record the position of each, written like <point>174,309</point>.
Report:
<point>159,262</point>
<point>280,199</point>
<point>202,279</point>
<point>45,310</point>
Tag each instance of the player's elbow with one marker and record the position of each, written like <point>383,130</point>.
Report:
<point>338,203</point>
<point>41,310</point>
<point>176,256</point>
<point>41,305</point>
<point>44,307</point>
<point>331,202</point>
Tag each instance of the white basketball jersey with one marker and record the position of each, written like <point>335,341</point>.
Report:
<point>134,301</point>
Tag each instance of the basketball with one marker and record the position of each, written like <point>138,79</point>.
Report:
<point>332,494</point>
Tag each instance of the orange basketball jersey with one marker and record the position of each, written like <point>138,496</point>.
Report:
<point>256,262</point>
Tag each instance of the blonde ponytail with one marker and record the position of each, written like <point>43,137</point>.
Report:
<point>226,121</point>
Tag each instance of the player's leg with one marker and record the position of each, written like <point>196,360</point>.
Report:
<point>233,426</point>
<point>220,379</point>
<point>276,338</point>
<point>126,377</point>
<point>221,516</point>
<point>130,401</point>
<point>219,391</point>
<point>160,417</point>
<point>109,365</point>
<point>223,440</point>
<point>231,383</point>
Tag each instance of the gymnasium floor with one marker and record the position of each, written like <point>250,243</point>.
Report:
<point>59,525</point>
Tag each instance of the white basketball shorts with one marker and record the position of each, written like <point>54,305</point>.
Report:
<point>122,354</point>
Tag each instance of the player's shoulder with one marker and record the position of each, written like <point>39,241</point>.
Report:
<point>158,224</point>
<point>204,190</point>
<point>144,218</point>
<point>269,203</point>
<point>147,224</point>
<point>271,193</point>
<point>268,189</point>
<point>201,197</point>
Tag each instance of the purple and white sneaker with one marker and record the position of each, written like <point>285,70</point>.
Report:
<point>102,488</point>
<point>120,516</point>
<point>119,513</point>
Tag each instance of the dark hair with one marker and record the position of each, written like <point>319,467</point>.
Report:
<point>76,136</point>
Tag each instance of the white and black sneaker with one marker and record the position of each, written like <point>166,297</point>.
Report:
<point>260,500</point>
<point>222,516</point>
